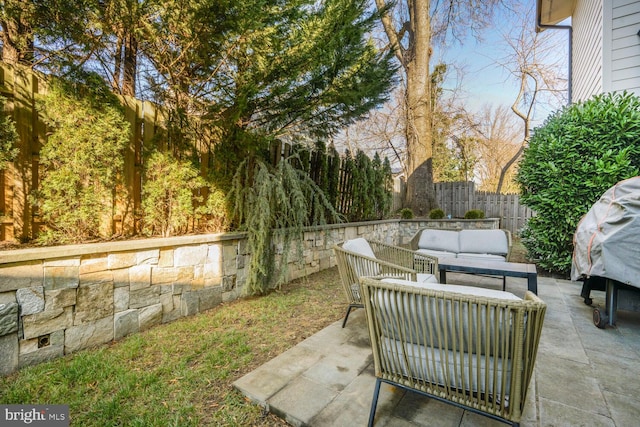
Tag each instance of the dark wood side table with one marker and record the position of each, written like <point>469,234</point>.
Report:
<point>490,268</point>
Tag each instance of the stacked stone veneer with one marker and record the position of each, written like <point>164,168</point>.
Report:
<point>58,300</point>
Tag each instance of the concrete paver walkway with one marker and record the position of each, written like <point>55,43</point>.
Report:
<point>584,376</point>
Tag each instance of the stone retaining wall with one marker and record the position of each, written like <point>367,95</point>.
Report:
<point>58,300</point>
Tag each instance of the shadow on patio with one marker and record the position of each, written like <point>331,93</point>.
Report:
<point>583,376</point>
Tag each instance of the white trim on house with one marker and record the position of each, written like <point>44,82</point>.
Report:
<point>551,12</point>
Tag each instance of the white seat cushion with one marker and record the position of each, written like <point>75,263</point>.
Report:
<point>435,366</point>
<point>484,242</point>
<point>421,279</point>
<point>359,246</point>
<point>482,257</point>
<point>458,289</point>
<point>438,254</point>
<point>439,240</point>
<point>443,313</point>
<point>427,278</point>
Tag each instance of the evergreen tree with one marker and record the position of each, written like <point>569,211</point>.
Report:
<point>50,33</point>
<point>16,21</point>
<point>381,187</point>
<point>168,203</point>
<point>387,176</point>
<point>346,185</point>
<point>274,211</point>
<point>302,67</point>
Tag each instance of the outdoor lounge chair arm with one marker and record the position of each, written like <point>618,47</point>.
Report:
<point>390,261</point>
<point>367,267</point>
<point>407,258</point>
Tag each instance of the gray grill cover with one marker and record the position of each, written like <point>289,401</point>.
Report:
<point>607,240</point>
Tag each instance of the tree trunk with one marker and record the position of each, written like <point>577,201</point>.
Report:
<point>526,118</point>
<point>420,195</point>
<point>415,59</point>
<point>130,65</point>
<point>17,33</point>
<point>117,65</point>
<point>507,166</point>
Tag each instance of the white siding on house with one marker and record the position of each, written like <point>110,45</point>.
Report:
<point>625,47</point>
<point>587,49</point>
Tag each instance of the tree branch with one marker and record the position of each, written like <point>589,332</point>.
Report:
<point>393,35</point>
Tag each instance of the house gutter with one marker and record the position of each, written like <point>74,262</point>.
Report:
<point>540,27</point>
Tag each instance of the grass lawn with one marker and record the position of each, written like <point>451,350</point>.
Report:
<point>180,374</point>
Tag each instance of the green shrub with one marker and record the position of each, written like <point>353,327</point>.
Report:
<point>406,213</point>
<point>474,214</point>
<point>371,190</point>
<point>213,215</point>
<point>8,137</point>
<point>436,214</point>
<point>576,155</point>
<point>82,159</point>
<point>168,194</point>
<point>273,205</point>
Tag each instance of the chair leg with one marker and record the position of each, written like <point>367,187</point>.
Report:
<point>346,316</point>
<point>374,402</point>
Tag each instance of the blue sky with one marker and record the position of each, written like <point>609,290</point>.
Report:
<point>484,81</point>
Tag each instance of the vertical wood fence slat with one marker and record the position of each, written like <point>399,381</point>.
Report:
<point>132,157</point>
<point>399,191</point>
<point>24,115</point>
<point>456,198</point>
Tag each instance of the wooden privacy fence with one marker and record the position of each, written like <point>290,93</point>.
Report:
<point>21,87</point>
<point>18,220</point>
<point>338,177</point>
<point>513,215</point>
<point>456,198</point>
<point>399,193</point>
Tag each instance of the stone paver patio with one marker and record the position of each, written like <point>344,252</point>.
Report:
<point>584,376</point>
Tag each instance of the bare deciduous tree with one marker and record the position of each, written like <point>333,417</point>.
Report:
<point>499,135</point>
<point>412,26</point>
<point>381,131</point>
<point>535,64</point>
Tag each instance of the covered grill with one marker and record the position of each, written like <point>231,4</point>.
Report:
<point>607,250</point>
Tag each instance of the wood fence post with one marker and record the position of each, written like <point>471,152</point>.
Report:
<point>23,85</point>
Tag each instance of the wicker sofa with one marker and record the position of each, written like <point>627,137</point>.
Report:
<point>488,245</point>
<point>360,257</point>
<point>472,347</point>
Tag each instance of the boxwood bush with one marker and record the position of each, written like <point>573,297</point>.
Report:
<point>574,157</point>
<point>406,213</point>
<point>474,214</point>
<point>436,214</point>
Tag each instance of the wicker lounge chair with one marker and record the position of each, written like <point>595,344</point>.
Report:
<point>472,347</point>
<point>361,257</point>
